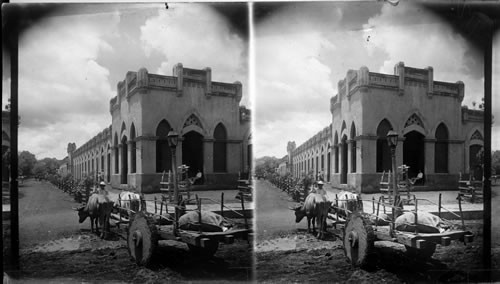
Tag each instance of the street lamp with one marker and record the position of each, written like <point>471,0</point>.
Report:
<point>392,140</point>
<point>173,139</point>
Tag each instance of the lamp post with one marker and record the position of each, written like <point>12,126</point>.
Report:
<point>392,140</point>
<point>173,139</point>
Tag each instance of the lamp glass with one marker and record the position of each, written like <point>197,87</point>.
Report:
<point>172,138</point>
<point>392,138</point>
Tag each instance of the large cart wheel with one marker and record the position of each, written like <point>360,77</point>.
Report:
<point>358,240</point>
<point>207,251</point>
<point>422,253</point>
<point>142,238</point>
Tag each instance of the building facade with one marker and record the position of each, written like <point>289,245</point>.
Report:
<point>437,135</point>
<point>214,131</point>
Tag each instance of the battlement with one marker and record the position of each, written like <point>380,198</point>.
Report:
<point>359,81</point>
<point>182,77</point>
<point>99,139</point>
<point>318,139</point>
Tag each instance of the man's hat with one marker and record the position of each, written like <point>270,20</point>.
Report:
<point>102,183</point>
<point>320,182</point>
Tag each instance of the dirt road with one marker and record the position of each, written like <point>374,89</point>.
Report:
<point>54,247</point>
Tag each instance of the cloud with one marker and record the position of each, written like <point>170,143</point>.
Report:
<point>300,57</point>
<point>420,39</point>
<point>198,37</point>
<point>64,92</point>
<point>291,80</point>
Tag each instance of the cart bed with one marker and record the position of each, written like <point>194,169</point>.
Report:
<point>418,240</point>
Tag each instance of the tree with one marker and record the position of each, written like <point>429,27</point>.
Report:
<point>40,169</point>
<point>51,165</point>
<point>265,165</point>
<point>495,162</point>
<point>27,163</point>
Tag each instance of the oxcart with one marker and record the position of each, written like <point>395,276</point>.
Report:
<point>359,230</point>
<point>146,229</point>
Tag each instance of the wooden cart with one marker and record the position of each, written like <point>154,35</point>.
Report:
<point>360,231</point>
<point>145,229</point>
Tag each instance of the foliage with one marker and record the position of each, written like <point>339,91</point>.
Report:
<point>27,163</point>
<point>265,166</point>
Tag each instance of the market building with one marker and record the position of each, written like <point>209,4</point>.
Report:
<point>437,135</point>
<point>214,131</point>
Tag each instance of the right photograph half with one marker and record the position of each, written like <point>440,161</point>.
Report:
<point>370,142</point>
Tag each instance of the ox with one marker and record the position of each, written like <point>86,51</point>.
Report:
<point>130,202</point>
<point>315,208</point>
<point>426,223</point>
<point>346,202</point>
<point>210,222</point>
<point>98,208</point>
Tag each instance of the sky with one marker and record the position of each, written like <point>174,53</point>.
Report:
<point>303,50</point>
<point>72,58</point>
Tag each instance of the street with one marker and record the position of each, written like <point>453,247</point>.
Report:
<point>55,247</point>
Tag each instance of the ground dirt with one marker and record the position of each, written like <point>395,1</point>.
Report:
<point>86,257</point>
<point>300,257</point>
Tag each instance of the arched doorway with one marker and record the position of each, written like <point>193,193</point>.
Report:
<point>343,167</point>
<point>192,152</point>
<point>220,149</point>
<point>124,171</point>
<point>109,167</point>
<point>383,152</point>
<point>414,154</point>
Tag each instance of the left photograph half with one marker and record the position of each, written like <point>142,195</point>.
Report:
<point>126,143</point>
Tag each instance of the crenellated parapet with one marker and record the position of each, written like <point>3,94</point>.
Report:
<point>360,81</point>
<point>141,81</point>
<point>101,139</point>
<point>320,138</point>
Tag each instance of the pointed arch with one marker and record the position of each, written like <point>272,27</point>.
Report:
<point>124,165</point>
<point>343,163</point>
<point>115,144</point>
<point>441,149</point>
<point>477,136</point>
<point>133,150</point>
<point>383,152</point>
<point>163,154</point>
<point>336,146</point>
<point>220,148</point>
<point>343,128</point>
<point>123,130</point>
<point>328,162</point>
<point>353,147</point>
<point>414,123</point>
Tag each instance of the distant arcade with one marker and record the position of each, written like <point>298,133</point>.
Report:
<point>214,131</point>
